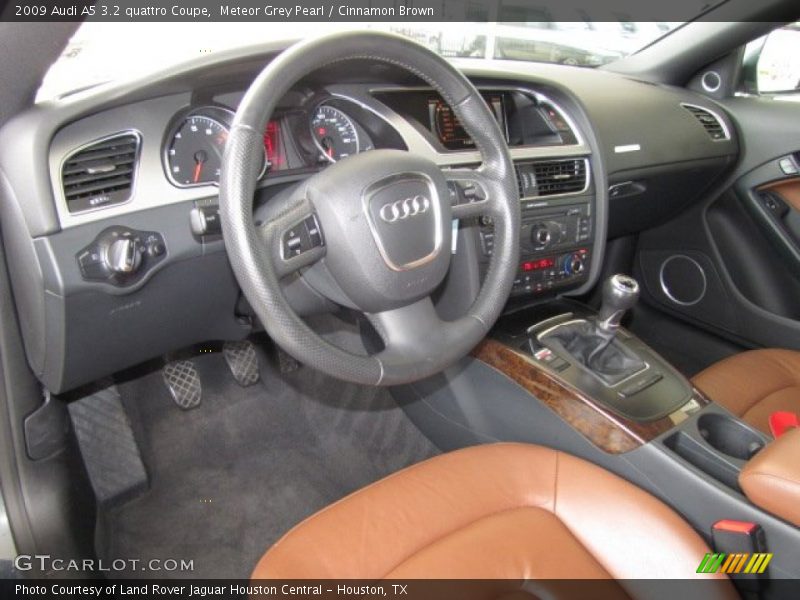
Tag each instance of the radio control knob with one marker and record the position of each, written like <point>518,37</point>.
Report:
<point>123,256</point>
<point>540,235</point>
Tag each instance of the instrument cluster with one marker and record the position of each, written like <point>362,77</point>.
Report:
<point>303,139</point>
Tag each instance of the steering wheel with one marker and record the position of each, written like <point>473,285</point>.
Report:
<point>372,231</point>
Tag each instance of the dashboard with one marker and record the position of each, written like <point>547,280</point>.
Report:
<point>110,208</point>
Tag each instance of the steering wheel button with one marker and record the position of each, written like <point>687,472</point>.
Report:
<point>454,193</point>
<point>313,232</point>
<point>470,191</point>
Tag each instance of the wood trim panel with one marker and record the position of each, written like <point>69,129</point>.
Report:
<point>609,432</point>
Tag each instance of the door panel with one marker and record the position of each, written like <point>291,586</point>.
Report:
<point>731,264</point>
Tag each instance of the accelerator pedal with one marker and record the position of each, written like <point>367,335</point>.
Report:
<point>286,362</point>
<point>108,447</point>
<point>183,383</point>
<point>242,361</point>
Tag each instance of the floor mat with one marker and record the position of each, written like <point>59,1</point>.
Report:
<point>229,477</point>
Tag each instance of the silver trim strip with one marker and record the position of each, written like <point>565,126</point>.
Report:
<point>627,148</point>
<point>665,287</point>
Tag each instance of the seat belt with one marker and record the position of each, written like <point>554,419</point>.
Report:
<point>740,551</point>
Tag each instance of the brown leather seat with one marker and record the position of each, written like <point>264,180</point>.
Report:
<point>771,478</point>
<point>499,511</point>
<point>754,384</point>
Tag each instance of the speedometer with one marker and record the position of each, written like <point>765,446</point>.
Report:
<point>334,133</point>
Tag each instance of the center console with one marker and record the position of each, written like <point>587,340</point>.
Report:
<point>609,385</point>
<point>557,231</point>
<point>561,189</point>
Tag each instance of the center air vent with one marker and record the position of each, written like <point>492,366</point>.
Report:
<point>715,129</point>
<point>552,177</point>
<point>100,174</point>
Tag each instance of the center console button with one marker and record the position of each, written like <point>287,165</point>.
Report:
<point>639,384</point>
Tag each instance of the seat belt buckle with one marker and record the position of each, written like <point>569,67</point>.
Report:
<point>739,552</point>
<point>782,421</point>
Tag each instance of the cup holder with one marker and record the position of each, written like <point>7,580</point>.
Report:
<point>729,436</point>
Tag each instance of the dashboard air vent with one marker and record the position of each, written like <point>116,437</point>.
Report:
<point>551,177</point>
<point>709,121</point>
<point>100,174</point>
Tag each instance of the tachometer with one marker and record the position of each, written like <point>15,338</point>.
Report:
<point>334,133</point>
<point>193,155</point>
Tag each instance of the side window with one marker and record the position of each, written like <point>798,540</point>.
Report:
<point>778,64</point>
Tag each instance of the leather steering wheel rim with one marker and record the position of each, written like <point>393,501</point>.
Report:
<point>251,248</point>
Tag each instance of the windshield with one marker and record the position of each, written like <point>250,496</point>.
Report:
<point>101,52</point>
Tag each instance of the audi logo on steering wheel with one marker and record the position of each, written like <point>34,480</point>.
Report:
<point>391,212</point>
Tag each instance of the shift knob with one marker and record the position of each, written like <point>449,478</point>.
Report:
<point>620,293</point>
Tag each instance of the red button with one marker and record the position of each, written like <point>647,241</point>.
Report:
<point>734,526</point>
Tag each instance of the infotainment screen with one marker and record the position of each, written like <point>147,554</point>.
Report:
<point>447,126</point>
<point>524,119</point>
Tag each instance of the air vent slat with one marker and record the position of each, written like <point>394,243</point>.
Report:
<point>114,152</point>
<point>97,166</point>
<point>84,177</point>
<point>100,174</point>
<point>105,185</point>
<point>709,121</point>
<point>551,177</point>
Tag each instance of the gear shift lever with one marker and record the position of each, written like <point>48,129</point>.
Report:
<point>620,293</point>
<point>593,343</point>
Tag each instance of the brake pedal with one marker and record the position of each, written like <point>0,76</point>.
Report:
<point>183,383</point>
<point>242,361</point>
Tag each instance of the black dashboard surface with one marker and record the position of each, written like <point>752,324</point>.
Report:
<point>78,329</point>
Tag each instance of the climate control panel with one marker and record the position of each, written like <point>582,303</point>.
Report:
<point>537,275</point>
<point>555,244</point>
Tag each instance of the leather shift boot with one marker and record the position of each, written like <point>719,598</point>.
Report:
<point>604,355</point>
